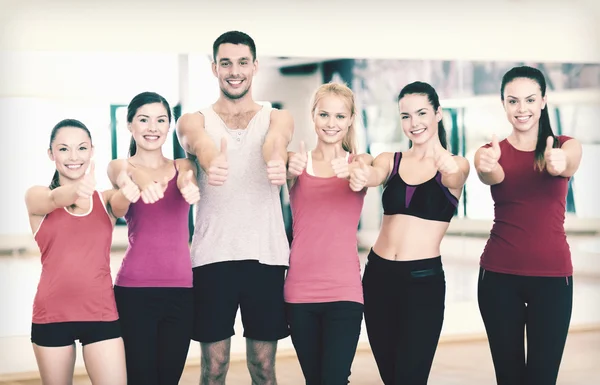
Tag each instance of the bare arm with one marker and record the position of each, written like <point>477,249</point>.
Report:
<point>116,203</point>
<point>488,174</point>
<point>279,135</point>
<point>40,200</point>
<point>457,179</point>
<point>195,140</point>
<point>184,166</point>
<point>572,152</point>
<point>380,169</point>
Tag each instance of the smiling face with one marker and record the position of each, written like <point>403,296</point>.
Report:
<point>419,119</point>
<point>71,150</point>
<point>523,103</point>
<point>234,68</point>
<point>150,126</point>
<point>332,117</point>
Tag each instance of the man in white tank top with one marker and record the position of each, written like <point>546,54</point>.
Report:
<point>239,250</point>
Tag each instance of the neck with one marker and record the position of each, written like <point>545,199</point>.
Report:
<point>329,150</point>
<point>149,159</point>
<point>64,181</point>
<point>235,106</point>
<point>427,149</point>
<point>525,140</point>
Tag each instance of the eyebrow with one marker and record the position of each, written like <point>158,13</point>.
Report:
<point>66,145</point>
<point>514,97</point>
<point>339,113</point>
<point>159,116</point>
<point>419,110</point>
<point>228,59</point>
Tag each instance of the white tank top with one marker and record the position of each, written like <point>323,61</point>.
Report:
<point>242,219</point>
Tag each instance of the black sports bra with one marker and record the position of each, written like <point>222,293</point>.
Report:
<point>429,200</point>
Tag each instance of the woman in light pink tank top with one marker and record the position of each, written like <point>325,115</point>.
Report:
<point>153,288</point>
<point>323,290</point>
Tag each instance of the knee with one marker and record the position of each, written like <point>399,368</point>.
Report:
<point>215,368</point>
<point>262,369</point>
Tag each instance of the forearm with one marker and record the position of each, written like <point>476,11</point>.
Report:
<point>376,177</point>
<point>493,177</point>
<point>275,146</point>
<point>64,196</point>
<point>119,204</point>
<point>455,180</point>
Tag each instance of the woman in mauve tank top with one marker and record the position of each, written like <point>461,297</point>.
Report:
<point>72,224</point>
<point>323,291</point>
<point>404,283</point>
<point>525,278</point>
<point>153,288</point>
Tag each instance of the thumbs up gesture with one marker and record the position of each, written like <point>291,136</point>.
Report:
<point>297,162</point>
<point>556,159</point>
<point>340,164</point>
<point>128,188</point>
<point>276,167</point>
<point>488,159</point>
<point>189,190</point>
<point>359,176</point>
<point>219,167</point>
<point>154,191</point>
<point>444,161</point>
<point>87,184</point>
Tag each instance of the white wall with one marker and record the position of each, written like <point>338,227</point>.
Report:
<point>527,30</point>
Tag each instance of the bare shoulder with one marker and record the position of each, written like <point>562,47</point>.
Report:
<point>35,192</point>
<point>278,115</point>
<point>383,158</point>
<point>190,120</point>
<point>184,164</point>
<point>365,158</point>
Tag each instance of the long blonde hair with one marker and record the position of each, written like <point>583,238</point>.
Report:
<point>344,92</point>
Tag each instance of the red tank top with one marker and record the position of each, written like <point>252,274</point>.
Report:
<point>528,237</point>
<point>75,284</point>
<point>324,264</point>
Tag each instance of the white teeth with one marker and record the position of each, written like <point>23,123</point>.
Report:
<point>235,82</point>
<point>73,166</point>
<point>416,132</point>
<point>523,119</point>
<point>150,137</point>
<point>331,132</point>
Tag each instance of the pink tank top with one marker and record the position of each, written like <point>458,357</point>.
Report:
<point>158,254</point>
<point>75,284</point>
<point>324,264</point>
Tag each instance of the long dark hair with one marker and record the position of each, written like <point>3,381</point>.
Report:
<point>422,88</point>
<point>139,101</point>
<point>544,129</point>
<point>64,123</point>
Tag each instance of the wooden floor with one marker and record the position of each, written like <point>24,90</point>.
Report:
<point>464,363</point>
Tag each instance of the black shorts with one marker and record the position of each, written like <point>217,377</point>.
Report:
<point>65,333</point>
<point>257,289</point>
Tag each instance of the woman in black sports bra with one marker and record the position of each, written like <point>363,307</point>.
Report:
<point>404,284</point>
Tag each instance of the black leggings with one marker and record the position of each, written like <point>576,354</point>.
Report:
<point>325,336</point>
<point>404,312</point>
<point>156,324</point>
<point>509,305</point>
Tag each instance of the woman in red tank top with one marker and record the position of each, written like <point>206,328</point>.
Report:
<point>323,291</point>
<point>525,279</point>
<point>72,224</point>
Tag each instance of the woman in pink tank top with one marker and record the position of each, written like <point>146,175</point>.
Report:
<point>73,226</point>
<point>323,291</point>
<point>153,288</point>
